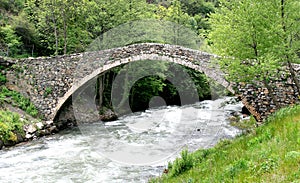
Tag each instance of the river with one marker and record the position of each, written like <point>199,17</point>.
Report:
<point>71,156</point>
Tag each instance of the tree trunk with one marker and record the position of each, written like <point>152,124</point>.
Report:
<point>109,83</point>
<point>125,94</point>
<point>293,75</point>
<point>32,50</point>
<point>290,66</point>
<point>55,34</point>
<point>65,33</point>
<point>101,89</point>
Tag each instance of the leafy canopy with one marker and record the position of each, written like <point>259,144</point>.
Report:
<point>249,36</point>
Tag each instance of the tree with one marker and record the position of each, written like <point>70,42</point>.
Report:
<point>290,34</point>
<point>61,24</point>
<point>244,35</point>
<point>9,42</point>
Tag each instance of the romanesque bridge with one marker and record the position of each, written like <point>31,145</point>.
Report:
<point>49,81</point>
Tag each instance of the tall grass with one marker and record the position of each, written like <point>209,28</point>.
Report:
<point>270,153</point>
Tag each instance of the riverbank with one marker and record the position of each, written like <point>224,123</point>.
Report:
<point>269,153</point>
<point>19,119</point>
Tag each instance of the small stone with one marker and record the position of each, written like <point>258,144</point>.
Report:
<point>49,122</point>
<point>30,129</point>
<point>53,129</point>
<point>28,136</point>
<point>233,118</point>
<point>19,138</point>
<point>39,125</point>
<point>108,115</point>
<point>44,132</point>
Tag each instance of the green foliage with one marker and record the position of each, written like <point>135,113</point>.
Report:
<point>201,82</point>
<point>2,79</point>
<point>260,138</point>
<point>182,164</point>
<point>10,124</point>
<point>270,153</point>
<point>139,85</point>
<point>10,41</point>
<point>59,27</point>
<point>235,168</point>
<point>18,100</point>
<point>48,91</point>
<point>11,6</point>
<point>253,37</point>
<point>144,89</point>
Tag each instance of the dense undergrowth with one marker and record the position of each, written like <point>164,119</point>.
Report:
<point>11,124</point>
<point>269,153</point>
<point>16,99</point>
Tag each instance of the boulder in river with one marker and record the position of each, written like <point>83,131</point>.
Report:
<point>108,115</point>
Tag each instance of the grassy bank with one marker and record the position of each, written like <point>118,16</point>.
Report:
<point>270,153</point>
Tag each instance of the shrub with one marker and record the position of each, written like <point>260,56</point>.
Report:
<point>10,124</point>
<point>181,164</point>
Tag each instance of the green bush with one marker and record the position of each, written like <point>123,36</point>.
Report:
<point>181,164</point>
<point>10,124</point>
<point>2,79</point>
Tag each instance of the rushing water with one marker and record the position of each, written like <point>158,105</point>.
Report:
<point>71,157</point>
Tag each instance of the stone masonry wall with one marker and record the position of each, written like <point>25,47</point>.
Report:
<point>50,81</point>
<point>259,100</point>
<point>43,80</point>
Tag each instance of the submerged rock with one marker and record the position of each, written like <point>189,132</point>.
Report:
<point>9,143</point>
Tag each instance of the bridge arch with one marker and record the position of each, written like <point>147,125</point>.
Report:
<point>107,59</point>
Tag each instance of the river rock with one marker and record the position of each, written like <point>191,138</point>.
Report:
<point>19,137</point>
<point>53,129</point>
<point>39,125</point>
<point>108,115</point>
<point>233,119</point>
<point>9,143</point>
<point>29,128</point>
<point>28,136</point>
<point>48,123</point>
<point>44,132</point>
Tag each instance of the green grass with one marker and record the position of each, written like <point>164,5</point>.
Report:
<point>270,153</point>
<point>10,126</point>
<point>16,99</point>
<point>244,124</point>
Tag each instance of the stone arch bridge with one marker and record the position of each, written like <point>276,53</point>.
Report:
<point>49,81</point>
